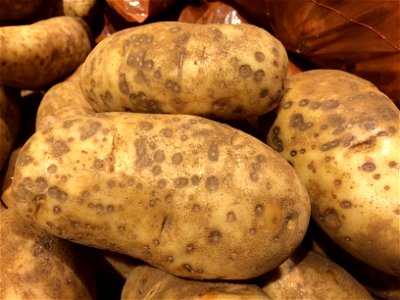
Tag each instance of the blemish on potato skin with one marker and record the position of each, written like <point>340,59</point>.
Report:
<point>393,164</point>
<point>230,217</point>
<point>56,193</point>
<point>25,160</point>
<point>190,248</point>
<point>57,210</point>
<point>303,102</point>
<point>263,93</point>
<point>260,57</point>
<point>368,167</point>
<point>156,170</point>
<point>212,183</point>
<point>159,156</point>
<point>195,208</point>
<point>213,152</point>
<point>98,164</point>
<point>59,148</point>
<point>376,176</point>
<point>195,180</point>
<point>386,187</point>
<point>330,145</point>
<point>259,210</point>
<point>123,84</point>
<point>287,104</point>
<point>177,158</point>
<point>214,237</point>
<point>146,125</point>
<point>181,182</point>
<point>293,153</point>
<point>345,204</point>
<point>41,184</point>
<point>297,121</point>
<point>167,132</point>
<point>161,184</point>
<point>173,86</point>
<point>259,75</point>
<point>52,169</point>
<point>275,140</point>
<point>245,71</point>
<point>87,132</point>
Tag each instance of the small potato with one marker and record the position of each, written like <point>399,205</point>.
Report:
<point>342,136</point>
<point>312,276</point>
<point>9,121</point>
<point>38,55</point>
<point>36,265</point>
<point>145,282</point>
<point>186,194</point>
<point>62,101</point>
<point>217,70</point>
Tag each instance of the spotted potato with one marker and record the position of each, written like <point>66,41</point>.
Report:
<point>191,196</point>
<point>342,137</point>
<point>219,70</point>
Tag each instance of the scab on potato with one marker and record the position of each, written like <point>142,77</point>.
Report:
<point>342,137</point>
<point>217,70</point>
<point>189,195</point>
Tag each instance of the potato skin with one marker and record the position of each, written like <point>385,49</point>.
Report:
<point>342,137</point>
<point>9,120</point>
<point>179,192</point>
<point>37,265</point>
<point>312,276</point>
<point>38,55</point>
<point>145,282</point>
<point>219,70</point>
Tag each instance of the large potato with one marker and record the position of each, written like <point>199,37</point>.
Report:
<point>145,282</point>
<point>192,196</point>
<point>219,70</point>
<point>38,55</point>
<point>9,121</point>
<point>342,137</point>
<point>312,276</point>
<point>36,265</point>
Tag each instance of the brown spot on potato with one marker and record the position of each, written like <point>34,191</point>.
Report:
<point>345,204</point>
<point>386,187</point>
<point>56,193</point>
<point>263,93</point>
<point>145,125</point>
<point>259,56</point>
<point>214,237</point>
<point>173,86</point>
<point>212,183</point>
<point>287,104</point>
<point>190,248</point>
<point>183,137</point>
<point>315,105</point>
<point>392,164</point>
<point>254,176</point>
<point>159,156</point>
<point>252,231</point>
<point>57,210</point>
<point>161,184</point>
<point>377,176</point>
<point>368,167</point>
<point>259,209</point>
<point>337,182</point>
<point>157,74</point>
<point>230,217</point>
<point>387,113</point>
<point>293,153</point>
<point>106,99</point>
<point>331,219</point>
<point>181,182</point>
<point>41,184</point>
<point>87,132</point>
<point>245,71</point>
<point>213,152</point>
<point>195,180</point>
<point>297,121</point>
<point>156,170</point>
<point>167,132</point>
<point>59,148</point>
<point>221,104</point>
<point>52,169</point>
<point>259,75</point>
<point>303,102</point>
<point>195,208</point>
<point>142,159</point>
<point>330,104</point>
<point>123,84</point>
<point>25,160</point>
<point>168,198</point>
<point>276,142</point>
<point>177,158</point>
<point>330,145</point>
<point>275,51</point>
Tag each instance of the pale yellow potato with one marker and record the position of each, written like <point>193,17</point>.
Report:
<point>312,276</point>
<point>186,194</point>
<point>9,120</point>
<point>36,265</point>
<point>145,282</point>
<point>342,136</point>
<point>62,101</point>
<point>216,70</point>
<point>38,55</point>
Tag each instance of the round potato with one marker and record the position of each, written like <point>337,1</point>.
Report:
<point>145,282</point>
<point>312,276</point>
<point>217,70</point>
<point>342,137</point>
<point>186,194</point>
<point>38,55</point>
<point>37,265</point>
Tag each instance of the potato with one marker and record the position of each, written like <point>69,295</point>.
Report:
<point>36,265</point>
<point>9,173</point>
<point>312,276</point>
<point>342,137</point>
<point>17,10</point>
<point>218,70</point>
<point>62,101</point>
<point>9,121</point>
<point>145,282</point>
<point>38,55</point>
<point>186,194</point>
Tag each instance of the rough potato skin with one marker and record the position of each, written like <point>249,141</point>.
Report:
<point>145,282</point>
<point>215,70</point>
<point>312,276</point>
<point>186,194</point>
<point>342,137</point>
<point>62,101</point>
<point>38,55</point>
<point>36,265</point>
<point>9,121</point>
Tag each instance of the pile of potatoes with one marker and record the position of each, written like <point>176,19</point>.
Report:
<point>140,169</point>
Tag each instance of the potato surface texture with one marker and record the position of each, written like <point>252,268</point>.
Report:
<point>183,193</point>
<point>342,136</point>
<point>145,282</point>
<point>36,265</point>
<point>38,55</point>
<point>223,71</point>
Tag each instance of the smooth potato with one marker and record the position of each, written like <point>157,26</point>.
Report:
<point>145,282</point>
<point>312,276</point>
<point>189,195</point>
<point>216,70</point>
<point>38,55</point>
<point>342,137</point>
<point>36,265</point>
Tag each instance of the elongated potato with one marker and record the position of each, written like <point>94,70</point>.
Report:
<point>312,276</point>
<point>342,137</point>
<point>194,197</point>
<point>36,265</point>
<point>62,101</point>
<point>38,55</point>
<point>145,282</point>
<point>219,70</point>
<point>9,121</point>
